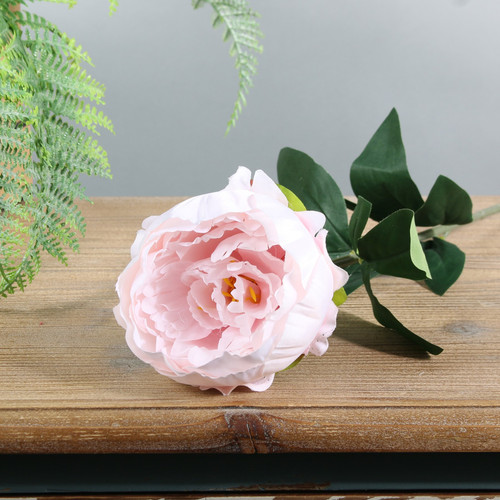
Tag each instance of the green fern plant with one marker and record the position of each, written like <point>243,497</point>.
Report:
<point>48,122</point>
<point>242,28</point>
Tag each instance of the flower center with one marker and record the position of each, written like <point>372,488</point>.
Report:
<point>252,290</point>
<point>230,284</point>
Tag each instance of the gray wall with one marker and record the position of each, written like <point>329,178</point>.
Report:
<point>330,72</point>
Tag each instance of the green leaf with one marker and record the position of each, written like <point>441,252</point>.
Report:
<point>293,200</point>
<point>355,278</point>
<point>294,363</point>
<point>387,319</point>
<point>447,203</point>
<point>318,191</point>
<point>446,262</point>
<point>380,173</point>
<point>339,297</point>
<point>392,247</point>
<point>358,221</point>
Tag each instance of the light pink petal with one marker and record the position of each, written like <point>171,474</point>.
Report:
<point>340,276</point>
<point>285,229</point>
<point>241,240</point>
<point>263,184</point>
<point>313,221</point>
<point>320,344</point>
<point>261,385</point>
<point>201,306</point>
<point>241,179</point>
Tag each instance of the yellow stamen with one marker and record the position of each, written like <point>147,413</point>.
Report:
<point>229,283</point>
<point>248,279</point>
<point>253,295</point>
<point>228,295</point>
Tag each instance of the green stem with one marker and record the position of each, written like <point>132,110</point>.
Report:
<point>443,231</point>
<point>346,260</point>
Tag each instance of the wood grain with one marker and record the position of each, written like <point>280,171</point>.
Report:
<point>68,382</point>
<point>264,496</point>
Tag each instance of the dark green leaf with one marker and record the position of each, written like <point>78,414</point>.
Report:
<point>318,191</point>
<point>392,247</point>
<point>380,173</point>
<point>387,319</point>
<point>358,221</point>
<point>446,262</point>
<point>355,278</point>
<point>447,203</point>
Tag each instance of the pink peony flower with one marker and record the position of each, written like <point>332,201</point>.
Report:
<point>228,288</point>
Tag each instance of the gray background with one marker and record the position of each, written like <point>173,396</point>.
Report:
<point>330,73</point>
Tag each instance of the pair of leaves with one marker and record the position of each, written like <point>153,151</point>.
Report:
<point>405,258</point>
<point>392,246</point>
<point>380,174</point>
<point>411,261</point>
<point>387,194</point>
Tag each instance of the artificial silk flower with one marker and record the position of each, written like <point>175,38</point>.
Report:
<point>228,288</point>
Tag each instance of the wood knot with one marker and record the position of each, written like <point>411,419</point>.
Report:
<point>250,429</point>
<point>464,328</point>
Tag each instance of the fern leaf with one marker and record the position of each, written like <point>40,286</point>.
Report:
<point>241,25</point>
<point>45,36</point>
<point>75,109</point>
<point>56,72</point>
<point>69,3</point>
<point>113,5</point>
<point>76,151</point>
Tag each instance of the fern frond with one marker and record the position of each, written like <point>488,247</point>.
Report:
<point>13,111</point>
<point>241,25</point>
<point>56,72</point>
<point>70,147</point>
<point>69,3</point>
<point>26,19</point>
<point>78,111</point>
<point>19,275</point>
<point>113,5</point>
<point>11,55</point>
<point>14,144</point>
<point>43,35</point>
<point>11,182</point>
<point>9,4</point>
<point>43,87</point>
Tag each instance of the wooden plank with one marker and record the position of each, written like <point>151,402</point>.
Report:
<point>70,384</point>
<point>263,496</point>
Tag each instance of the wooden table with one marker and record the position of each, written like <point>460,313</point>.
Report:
<point>69,384</point>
